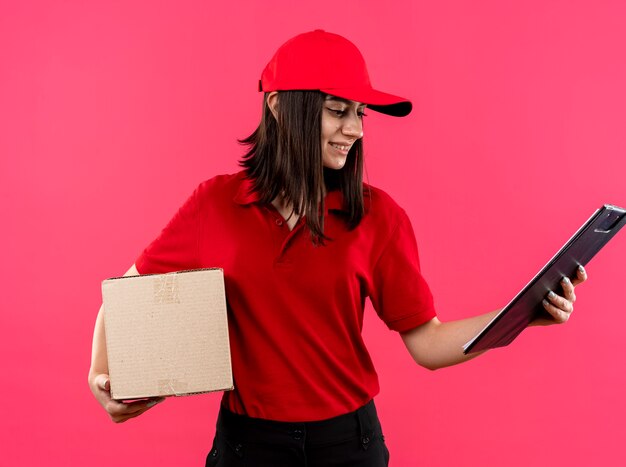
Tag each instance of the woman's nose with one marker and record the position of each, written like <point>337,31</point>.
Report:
<point>353,126</point>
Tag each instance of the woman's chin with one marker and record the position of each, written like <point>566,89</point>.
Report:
<point>335,163</point>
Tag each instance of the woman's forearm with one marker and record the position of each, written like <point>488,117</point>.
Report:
<point>436,345</point>
<point>99,361</point>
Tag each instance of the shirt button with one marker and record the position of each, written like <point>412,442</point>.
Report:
<point>297,434</point>
<point>279,222</point>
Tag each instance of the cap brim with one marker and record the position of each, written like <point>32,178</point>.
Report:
<point>378,101</point>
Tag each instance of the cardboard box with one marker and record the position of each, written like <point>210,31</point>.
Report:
<point>167,334</point>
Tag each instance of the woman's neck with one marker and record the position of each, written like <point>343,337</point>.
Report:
<point>286,211</point>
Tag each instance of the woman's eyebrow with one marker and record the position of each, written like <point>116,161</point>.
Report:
<point>342,100</point>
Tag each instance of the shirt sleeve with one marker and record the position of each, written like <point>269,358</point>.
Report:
<point>400,295</point>
<point>176,247</point>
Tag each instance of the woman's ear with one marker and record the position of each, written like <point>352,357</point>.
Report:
<point>272,103</point>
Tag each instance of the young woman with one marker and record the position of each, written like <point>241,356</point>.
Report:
<point>303,242</point>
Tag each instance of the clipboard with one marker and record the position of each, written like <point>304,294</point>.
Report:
<point>526,305</point>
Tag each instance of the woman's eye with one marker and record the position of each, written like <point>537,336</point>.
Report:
<point>339,113</point>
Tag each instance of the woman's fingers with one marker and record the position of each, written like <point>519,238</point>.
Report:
<point>561,307</point>
<point>102,382</point>
<point>560,315</point>
<point>120,411</point>
<point>117,410</point>
<point>581,276</point>
<point>568,290</point>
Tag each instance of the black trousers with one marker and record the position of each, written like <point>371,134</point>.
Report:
<point>351,440</point>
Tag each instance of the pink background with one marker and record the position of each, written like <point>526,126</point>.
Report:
<point>112,112</point>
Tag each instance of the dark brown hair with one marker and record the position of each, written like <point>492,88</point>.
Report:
<point>284,157</point>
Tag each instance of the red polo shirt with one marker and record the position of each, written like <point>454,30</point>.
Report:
<point>296,309</point>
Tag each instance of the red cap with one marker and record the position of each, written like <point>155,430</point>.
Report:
<point>320,60</point>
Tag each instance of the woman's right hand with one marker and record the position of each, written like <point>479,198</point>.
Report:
<point>118,411</point>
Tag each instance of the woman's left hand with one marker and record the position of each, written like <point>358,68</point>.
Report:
<point>559,307</point>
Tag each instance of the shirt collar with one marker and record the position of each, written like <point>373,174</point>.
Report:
<point>334,201</point>
<point>246,195</point>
